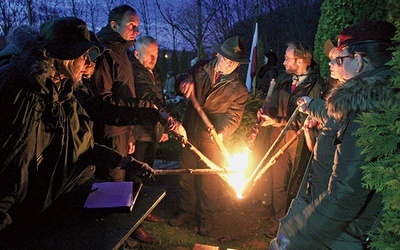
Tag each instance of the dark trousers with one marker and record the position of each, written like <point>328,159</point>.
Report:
<point>278,175</point>
<point>201,193</point>
<point>145,151</point>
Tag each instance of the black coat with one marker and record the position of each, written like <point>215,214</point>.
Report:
<point>45,137</point>
<point>345,208</point>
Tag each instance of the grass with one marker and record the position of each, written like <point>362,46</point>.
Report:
<point>185,237</point>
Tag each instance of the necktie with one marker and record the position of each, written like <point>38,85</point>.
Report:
<point>294,83</point>
<point>217,76</point>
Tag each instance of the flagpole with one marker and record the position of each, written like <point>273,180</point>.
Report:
<point>252,68</point>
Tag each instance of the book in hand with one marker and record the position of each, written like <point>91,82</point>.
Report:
<point>113,195</point>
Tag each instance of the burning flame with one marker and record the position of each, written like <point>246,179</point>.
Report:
<point>238,164</point>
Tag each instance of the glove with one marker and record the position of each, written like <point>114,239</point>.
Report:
<point>175,126</point>
<point>148,116</point>
<point>181,130</point>
<point>280,243</point>
<point>145,104</point>
<point>138,168</point>
<point>303,102</point>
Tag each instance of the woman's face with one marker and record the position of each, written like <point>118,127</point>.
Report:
<point>348,65</point>
<point>79,67</point>
<point>336,70</point>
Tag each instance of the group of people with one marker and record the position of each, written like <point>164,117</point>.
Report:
<point>71,110</point>
<point>334,210</point>
<point>72,100</point>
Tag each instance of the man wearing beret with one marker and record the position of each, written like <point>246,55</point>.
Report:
<point>341,210</point>
<point>217,88</point>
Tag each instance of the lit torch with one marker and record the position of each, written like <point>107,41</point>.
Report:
<point>264,164</point>
<point>229,176</point>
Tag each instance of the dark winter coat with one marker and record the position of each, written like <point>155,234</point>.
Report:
<point>45,136</point>
<point>149,87</point>
<point>223,103</point>
<point>341,215</point>
<point>113,77</point>
<point>112,114</point>
<point>283,103</point>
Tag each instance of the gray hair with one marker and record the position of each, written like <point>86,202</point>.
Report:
<point>144,41</point>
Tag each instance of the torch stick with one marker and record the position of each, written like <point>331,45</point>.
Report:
<point>204,159</point>
<point>280,152</point>
<point>251,179</point>
<point>190,171</point>
<point>255,130</point>
<point>209,126</point>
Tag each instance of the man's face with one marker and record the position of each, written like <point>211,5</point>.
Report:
<point>148,55</point>
<point>128,28</point>
<point>290,62</point>
<point>225,65</point>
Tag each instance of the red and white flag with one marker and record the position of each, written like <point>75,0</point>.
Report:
<point>253,65</point>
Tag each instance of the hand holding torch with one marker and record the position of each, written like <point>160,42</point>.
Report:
<point>255,175</point>
<point>209,126</point>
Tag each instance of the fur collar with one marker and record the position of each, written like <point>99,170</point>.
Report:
<point>26,52</point>
<point>362,93</point>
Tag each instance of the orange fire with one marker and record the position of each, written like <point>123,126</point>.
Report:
<point>238,164</point>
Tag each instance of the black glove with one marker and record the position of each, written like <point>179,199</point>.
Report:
<point>145,104</point>
<point>148,116</point>
<point>140,169</point>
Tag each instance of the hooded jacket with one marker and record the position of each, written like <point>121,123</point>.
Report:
<point>346,209</point>
<point>45,136</point>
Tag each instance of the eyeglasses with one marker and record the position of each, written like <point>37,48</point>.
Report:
<point>339,59</point>
<point>86,58</point>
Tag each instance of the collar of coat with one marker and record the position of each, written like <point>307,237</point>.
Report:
<point>362,93</point>
<point>109,37</point>
<point>210,69</point>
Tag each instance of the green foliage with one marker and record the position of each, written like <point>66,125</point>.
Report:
<point>336,16</point>
<point>238,141</point>
<point>379,135</point>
